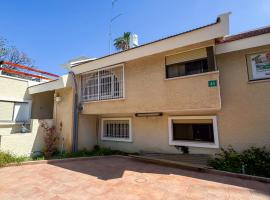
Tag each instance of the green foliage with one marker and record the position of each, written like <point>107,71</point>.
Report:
<point>85,153</point>
<point>122,43</point>
<point>253,161</point>
<point>50,139</point>
<point>7,157</point>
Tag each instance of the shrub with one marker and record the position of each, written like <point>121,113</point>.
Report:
<point>256,161</point>
<point>97,151</point>
<point>7,157</point>
<point>50,140</point>
<point>253,161</point>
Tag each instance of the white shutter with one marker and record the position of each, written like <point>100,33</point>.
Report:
<point>6,110</point>
<point>186,56</point>
<point>21,111</point>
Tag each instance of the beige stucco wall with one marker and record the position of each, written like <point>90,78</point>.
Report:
<point>87,137</point>
<point>63,114</point>
<point>147,90</point>
<point>149,134</point>
<point>244,118</point>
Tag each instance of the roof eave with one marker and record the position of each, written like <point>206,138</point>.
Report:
<point>209,32</point>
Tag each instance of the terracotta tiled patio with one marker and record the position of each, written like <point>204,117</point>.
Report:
<point>121,178</point>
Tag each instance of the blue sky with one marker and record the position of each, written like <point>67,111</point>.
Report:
<point>54,31</point>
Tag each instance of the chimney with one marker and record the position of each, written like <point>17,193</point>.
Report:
<point>134,41</point>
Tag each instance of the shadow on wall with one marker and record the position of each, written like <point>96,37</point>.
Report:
<point>107,168</point>
<point>23,144</point>
<point>38,143</point>
<point>42,105</point>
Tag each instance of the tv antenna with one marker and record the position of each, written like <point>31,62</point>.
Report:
<point>112,19</point>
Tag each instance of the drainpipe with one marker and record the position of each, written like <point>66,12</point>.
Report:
<point>76,115</point>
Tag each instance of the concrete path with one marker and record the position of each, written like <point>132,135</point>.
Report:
<point>120,178</point>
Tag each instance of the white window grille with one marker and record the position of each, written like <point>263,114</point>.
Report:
<point>103,84</point>
<point>116,129</point>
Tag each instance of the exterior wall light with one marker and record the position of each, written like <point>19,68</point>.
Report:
<point>58,99</point>
<point>151,114</point>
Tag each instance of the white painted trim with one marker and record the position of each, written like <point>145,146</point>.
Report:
<point>194,144</point>
<point>104,68</point>
<point>3,123</point>
<point>246,43</point>
<point>124,83</point>
<point>4,98</point>
<point>18,79</point>
<point>130,139</point>
<point>62,82</point>
<point>14,100</point>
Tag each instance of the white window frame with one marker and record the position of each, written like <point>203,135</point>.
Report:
<point>130,139</point>
<point>107,96</point>
<point>214,144</point>
<point>8,99</point>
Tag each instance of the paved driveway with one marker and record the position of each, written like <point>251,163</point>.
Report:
<point>123,179</point>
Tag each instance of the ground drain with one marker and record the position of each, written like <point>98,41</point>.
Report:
<point>141,180</point>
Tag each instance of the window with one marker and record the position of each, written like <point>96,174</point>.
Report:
<point>258,66</point>
<point>188,68</point>
<point>197,131</point>
<point>116,129</point>
<point>11,111</point>
<point>194,62</point>
<point>103,84</point>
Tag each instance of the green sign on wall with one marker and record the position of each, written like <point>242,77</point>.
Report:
<point>212,83</point>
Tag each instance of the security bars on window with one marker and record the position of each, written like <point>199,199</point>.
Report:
<point>103,84</point>
<point>116,129</point>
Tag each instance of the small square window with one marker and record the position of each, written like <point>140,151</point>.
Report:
<point>116,129</point>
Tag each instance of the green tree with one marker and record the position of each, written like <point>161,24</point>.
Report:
<point>122,43</point>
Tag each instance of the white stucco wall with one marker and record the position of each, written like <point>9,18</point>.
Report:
<point>23,144</point>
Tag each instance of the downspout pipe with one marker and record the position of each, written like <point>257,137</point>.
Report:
<point>76,115</point>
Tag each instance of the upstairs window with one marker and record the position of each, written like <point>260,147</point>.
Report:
<point>188,63</point>
<point>11,111</point>
<point>103,84</point>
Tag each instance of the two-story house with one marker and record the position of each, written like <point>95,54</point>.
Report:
<point>201,89</point>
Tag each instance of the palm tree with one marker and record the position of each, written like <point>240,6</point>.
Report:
<point>122,43</point>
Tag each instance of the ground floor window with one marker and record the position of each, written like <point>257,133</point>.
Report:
<point>197,131</point>
<point>116,129</point>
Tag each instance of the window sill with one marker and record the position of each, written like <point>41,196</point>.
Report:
<point>191,76</point>
<point>14,123</point>
<point>116,139</point>
<point>104,100</point>
<point>194,144</point>
<point>259,81</point>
